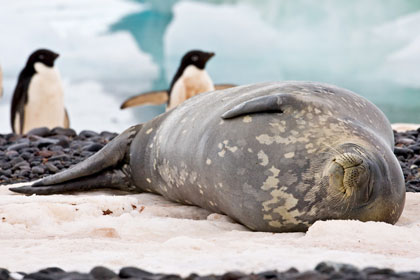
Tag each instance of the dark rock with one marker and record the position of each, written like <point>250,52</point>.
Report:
<point>208,277</point>
<point>325,268</point>
<point>76,276</point>
<point>271,274</point>
<point>5,172</point>
<point>88,134</point>
<point>59,157</point>
<point>40,131</point>
<point>18,146</point>
<point>6,165</point>
<point>374,271</point>
<point>16,160</point>
<point>50,270</point>
<point>133,272</point>
<point>415,148</point>
<point>402,151</point>
<point>51,167</point>
<point>56,148</point>
<point>63,142</point>
<point>234,275</point>
<point>24,173</point>
<point>26,155</point>
<point>45,142</point>
<point>165,277</point>
<point>11,154</point>
<point>405,141</point>
<point>311,275</point>
<point>4,274</point>
<point>411,275</point>
<point>102,273</point>
<point>21,166</point>
<point>38,170</point>
<point>63,131</point>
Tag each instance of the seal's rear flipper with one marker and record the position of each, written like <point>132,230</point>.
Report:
<point>106,168</point>
<point>112,179</point>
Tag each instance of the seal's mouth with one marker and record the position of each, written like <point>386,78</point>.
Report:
<point>349,173</point>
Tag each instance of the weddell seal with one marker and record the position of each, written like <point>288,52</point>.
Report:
<point>273,156</point>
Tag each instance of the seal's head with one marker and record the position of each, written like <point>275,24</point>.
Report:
<point>368,179</point>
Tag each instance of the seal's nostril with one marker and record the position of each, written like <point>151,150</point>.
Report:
<point>348,160</point>
<point>348,172</point>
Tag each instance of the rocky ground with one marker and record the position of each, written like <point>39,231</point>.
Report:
<point>407,150</point>
<point>321,271</point>
<point>43,152</point>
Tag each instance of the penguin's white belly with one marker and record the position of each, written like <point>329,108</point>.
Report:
<point>192,82</point>
<point>45,106</point>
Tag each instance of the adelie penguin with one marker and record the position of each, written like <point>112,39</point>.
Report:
<point>38,98</point>
<point>190,79</point>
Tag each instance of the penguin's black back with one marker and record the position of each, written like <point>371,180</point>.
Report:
<point>20,97</point>
<point>187,61</point>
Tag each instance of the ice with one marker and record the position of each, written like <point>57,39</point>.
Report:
<point>99,69</point>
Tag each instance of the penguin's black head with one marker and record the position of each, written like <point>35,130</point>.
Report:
<point>196,58</point>
<point>44,56</point>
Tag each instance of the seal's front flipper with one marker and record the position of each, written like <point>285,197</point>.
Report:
<point>112,179</point>
<point>262,104</point>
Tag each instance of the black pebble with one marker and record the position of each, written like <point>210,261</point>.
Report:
<point>102,273</point>
<point>4,274</point>
<point>38,170</point>
<point>402,151</point>
<point>133,272</point>
<point>18,146</point>
<point>63,131</point>
<point>87,134</point>
<point>40,131</point>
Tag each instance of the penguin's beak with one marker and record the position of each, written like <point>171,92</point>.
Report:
<point>56,55</point>
<point>209,55</point>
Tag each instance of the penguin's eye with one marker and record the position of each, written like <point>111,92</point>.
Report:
<point>194,58</point>
<point>41,56</point>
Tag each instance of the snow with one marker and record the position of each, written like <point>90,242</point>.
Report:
<point>80,231</point>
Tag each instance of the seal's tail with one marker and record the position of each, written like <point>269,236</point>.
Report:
<point>107,168</point>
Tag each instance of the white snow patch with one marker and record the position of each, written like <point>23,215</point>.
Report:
<point>145,230</point>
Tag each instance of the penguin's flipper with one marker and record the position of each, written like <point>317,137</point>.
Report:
<point>66,119</point>
<point>224,86</point>
<point>148,98</point>
<point>20,98</point>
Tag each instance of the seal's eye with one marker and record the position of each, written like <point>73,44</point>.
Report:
<point>194,58</point>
